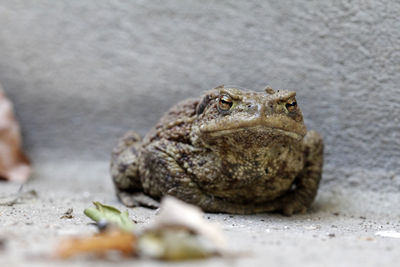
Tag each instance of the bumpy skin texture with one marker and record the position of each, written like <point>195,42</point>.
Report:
<point>232,151</point>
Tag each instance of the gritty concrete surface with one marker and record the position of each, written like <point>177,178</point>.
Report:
<point>339,230</point>
<point>81,73</point>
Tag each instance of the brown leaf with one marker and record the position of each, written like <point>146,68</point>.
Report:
<point>112,240</point>
<point>14,164</point>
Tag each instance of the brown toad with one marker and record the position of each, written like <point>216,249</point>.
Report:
<point>231,151</point>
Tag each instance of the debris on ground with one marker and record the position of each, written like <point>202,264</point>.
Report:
<point>111,215</point>
<point>392,234</point>
<point>68,214</point>
<point>14,164</point>
<point>18,198</point>
<point>178,232</point>
<point>312,227</point>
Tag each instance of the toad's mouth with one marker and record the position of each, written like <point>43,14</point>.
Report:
<point>272,126</point>
<point>254,130</point>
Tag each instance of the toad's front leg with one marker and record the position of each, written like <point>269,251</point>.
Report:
<point>124,171</point>
<point>307,182</point>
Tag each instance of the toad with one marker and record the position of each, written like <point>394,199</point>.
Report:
<point>231,150</point>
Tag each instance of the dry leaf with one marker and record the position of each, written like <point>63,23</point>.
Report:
<point>175,245</point>
<point>174,212</point>
<point>101,243</point>
<point>180,232</point>
<point>14,165</point>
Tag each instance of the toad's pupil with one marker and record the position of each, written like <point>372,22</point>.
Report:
<point>225,103</point>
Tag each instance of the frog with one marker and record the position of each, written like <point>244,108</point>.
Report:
<point>232,150</point>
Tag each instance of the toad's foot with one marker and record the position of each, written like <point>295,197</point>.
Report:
<point>137,199</point>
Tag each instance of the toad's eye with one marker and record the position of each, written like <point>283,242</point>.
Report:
<point>291,106</point>
<point>225,103</point>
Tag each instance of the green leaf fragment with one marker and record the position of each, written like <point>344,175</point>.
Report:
<point>111,215</point>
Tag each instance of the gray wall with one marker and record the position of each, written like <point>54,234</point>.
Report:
<point>83,72</point>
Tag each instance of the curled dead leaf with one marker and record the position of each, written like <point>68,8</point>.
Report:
<point>179,232</point>
<point>14,164</point>
<point>176,213</point>
<point>175,244</point>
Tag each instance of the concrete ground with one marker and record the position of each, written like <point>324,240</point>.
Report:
<point>340,230</point>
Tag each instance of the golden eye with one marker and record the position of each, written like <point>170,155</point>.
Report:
<point>291,105</point>
<point>225,103</point>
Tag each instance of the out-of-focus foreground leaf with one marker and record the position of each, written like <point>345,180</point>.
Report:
<point>101,243</point>
<point>175,245</point>
<point>111,215</point>
<point>179,232</point>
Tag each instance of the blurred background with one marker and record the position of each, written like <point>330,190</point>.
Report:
<point>81,73</point>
